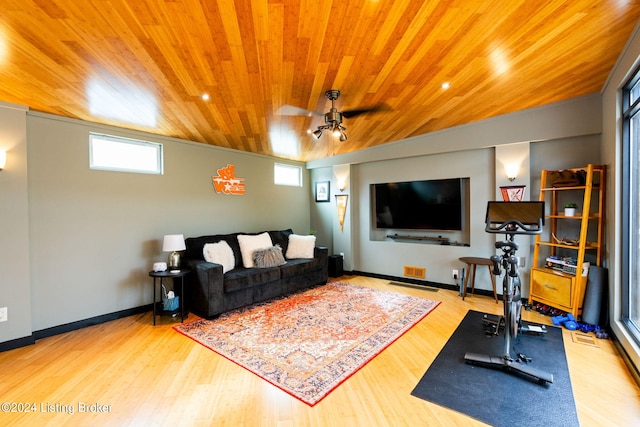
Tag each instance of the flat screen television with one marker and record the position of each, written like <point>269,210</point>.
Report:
<point>419,205</point>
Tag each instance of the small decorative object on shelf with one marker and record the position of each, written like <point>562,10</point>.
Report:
<point>570,209</point>
<point>565,240</point>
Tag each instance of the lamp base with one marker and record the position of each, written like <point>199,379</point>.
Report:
<point>174,260</point>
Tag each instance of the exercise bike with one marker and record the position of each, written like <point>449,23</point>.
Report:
<point>512,218</point>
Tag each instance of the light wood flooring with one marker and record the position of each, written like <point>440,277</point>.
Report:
<point>146,375</point>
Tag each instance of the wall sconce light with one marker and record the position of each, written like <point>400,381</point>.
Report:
<point>341,202</point>
<point>511,169</point>
<point>3,159</point>
<point>341,175</point>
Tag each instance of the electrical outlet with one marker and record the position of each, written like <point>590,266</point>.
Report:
<point>454,274</point>
<point>3,314</point>
<point>522,261</point>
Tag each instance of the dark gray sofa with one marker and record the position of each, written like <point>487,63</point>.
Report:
<point>210,292</point>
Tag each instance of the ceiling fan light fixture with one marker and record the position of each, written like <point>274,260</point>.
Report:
<point>336,130</point>
<point>342,134</point>
<point>333,118</point>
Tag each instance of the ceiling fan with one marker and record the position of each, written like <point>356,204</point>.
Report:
<point>333,118</point>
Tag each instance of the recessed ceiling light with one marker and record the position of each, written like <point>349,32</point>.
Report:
<point>205,96</point>
<point>445,85</point>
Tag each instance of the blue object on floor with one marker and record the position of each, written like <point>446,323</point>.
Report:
<point>568,321</point>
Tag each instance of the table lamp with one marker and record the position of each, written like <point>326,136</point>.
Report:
<point>173,243</point>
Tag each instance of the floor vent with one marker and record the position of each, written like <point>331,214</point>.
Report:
<point>416,272</point>
<point>584,339</point>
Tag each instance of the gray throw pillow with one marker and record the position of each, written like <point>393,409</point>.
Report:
<point>270,257</point>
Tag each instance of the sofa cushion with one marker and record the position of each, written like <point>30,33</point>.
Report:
<point>220,253</point>
<point>298,267</point>
<point>270,257</point>
<point>250,243</point>
<point>242,278</point>
<point>195,246</point>
<point>281,237</point>
<point>300,246</point>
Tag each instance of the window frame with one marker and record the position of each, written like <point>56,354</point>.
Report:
<point>97,164</point>
<point>298,183</point>
<point>628,171</point>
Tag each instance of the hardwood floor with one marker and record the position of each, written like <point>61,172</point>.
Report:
<point>138,374</point>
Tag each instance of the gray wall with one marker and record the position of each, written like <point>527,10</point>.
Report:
<point>574,117</point>
<point>15,290</point>
<point>321,211</point>
<point>93,235</point>
<point>563,153</point>
<point>390,256</point>
<point>556,136</point>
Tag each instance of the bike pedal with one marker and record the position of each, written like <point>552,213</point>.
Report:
<point>523,358</point>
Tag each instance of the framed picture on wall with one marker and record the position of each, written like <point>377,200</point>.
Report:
<point>513,193</point>
<point>322,191</point>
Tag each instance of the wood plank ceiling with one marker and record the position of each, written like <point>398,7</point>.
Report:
<point>145,64</point>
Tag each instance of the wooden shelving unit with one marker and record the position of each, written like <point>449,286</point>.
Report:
<point>579,238</point>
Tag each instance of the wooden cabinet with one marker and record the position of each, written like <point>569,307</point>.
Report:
<point>552,286</point>
<point>563,253</point>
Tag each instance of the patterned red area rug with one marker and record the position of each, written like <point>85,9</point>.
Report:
<point>310,342</point>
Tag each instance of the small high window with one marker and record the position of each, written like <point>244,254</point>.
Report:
<point>287,175</point>
<point>114,153</point>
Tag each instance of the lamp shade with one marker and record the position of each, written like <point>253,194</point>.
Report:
<point>173,242</point>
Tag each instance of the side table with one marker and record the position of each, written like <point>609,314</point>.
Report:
<point>181,273</point>
<point>472,262</point>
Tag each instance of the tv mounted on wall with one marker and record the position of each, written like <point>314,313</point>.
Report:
<point>419,205</point>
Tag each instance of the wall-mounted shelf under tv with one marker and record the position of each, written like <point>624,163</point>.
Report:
<point>427,239</point>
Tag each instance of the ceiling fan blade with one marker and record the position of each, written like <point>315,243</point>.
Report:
<point>291,110</point>
<point>375,108</point>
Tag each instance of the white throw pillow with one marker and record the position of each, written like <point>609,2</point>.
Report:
<point>301,246</point>
<point>220,253</point>
<point>248,244</point>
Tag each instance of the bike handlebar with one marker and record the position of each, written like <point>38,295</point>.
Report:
<point>513,226</point>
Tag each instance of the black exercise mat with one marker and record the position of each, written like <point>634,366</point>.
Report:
<point>494,396</point>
